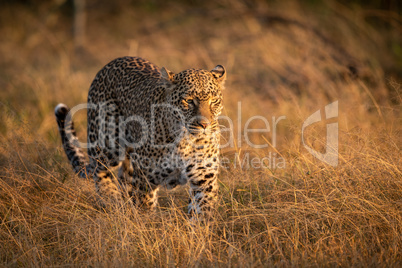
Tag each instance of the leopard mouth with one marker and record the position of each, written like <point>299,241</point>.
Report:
<point>195,130</point>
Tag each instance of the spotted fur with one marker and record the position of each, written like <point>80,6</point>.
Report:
<point>160,128</point>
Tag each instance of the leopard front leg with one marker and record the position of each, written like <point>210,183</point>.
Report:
<point>203,192</point>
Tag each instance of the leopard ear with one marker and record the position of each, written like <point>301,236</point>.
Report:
<point>167,75</point>
<point>219,73</point>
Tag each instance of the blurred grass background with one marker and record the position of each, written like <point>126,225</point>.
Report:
<point>283,58</point>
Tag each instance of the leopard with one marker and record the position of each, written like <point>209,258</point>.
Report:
<point>157,128</point>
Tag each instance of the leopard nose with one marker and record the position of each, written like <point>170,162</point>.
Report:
<point>204,123</point>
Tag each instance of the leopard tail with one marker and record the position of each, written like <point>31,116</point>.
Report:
<point>70,141</point>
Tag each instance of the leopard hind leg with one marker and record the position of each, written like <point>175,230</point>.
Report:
<point>142,193</point>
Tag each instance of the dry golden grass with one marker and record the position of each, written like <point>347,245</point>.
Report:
<point>282,60</point>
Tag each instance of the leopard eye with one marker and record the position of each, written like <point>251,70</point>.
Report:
<point>187,103</point>
<point>216,106</point>
<point>215,103</point>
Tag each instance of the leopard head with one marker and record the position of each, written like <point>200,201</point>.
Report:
<point>197,96</point>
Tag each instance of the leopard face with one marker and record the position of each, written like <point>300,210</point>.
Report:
<point>197,94</point>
